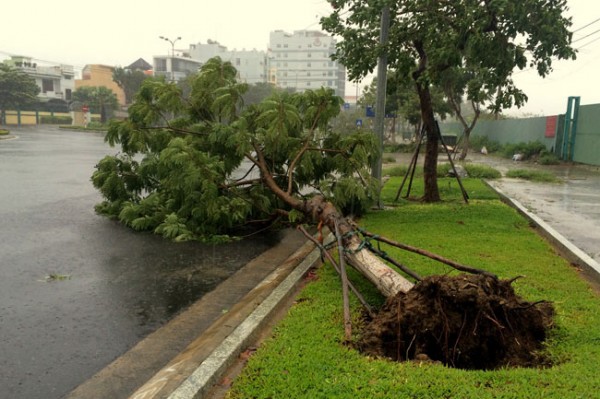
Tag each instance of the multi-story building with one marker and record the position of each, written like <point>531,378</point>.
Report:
<point>251,65</point>
<point>175,67</point>
<point>97,75</point>
<point>302,61</point>
<point>55,82</point>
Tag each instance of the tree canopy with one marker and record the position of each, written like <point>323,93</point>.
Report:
<point>130,81</point>
<point>100,99</point>
<point>201,165</point>
<point>427,38</point>
<point>17,89</point>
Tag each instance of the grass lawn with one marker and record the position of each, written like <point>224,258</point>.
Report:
<point>305,357</point>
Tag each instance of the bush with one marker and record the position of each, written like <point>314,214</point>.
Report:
<point>529,150</point>
<point>396,171</point>
<point>389,159</point>
<point>533,175</point>
<point>55,120</point>
<point>478,142</point>
<point>3,132</point>
<point>482,171</point>
<point>402,148</point>
<point>548,158</point>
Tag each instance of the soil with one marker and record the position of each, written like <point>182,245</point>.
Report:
<point>464,321</point>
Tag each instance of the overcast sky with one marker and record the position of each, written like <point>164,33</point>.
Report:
<point>119,32</point>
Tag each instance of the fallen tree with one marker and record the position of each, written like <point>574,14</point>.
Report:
<point>202,166</point>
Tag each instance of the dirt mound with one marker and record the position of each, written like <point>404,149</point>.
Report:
<point>465,321</point>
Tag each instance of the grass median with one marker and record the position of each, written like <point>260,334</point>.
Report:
<point>306,358</point>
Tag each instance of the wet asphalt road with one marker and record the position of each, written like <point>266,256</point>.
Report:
<point>571,207</point>
<point>119,285</point>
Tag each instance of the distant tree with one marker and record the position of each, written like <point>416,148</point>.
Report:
<point>130,81</point>
<point>17,90</point>
<point>402,100</point>
<point>100,99</point>
<point>258,92</point>
<point>490,38</point>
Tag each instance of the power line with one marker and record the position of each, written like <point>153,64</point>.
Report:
<point>586,36</point>
<point>585,26</point>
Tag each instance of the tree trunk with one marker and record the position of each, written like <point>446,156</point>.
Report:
<point>387,280</point>
<point>465,145</point>
<point>431,192</point>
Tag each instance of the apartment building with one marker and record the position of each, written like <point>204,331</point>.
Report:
<point>56,82</point>
<point>302,61</point>
<point>251,65</point>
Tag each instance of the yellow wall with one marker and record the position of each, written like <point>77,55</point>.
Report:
<point>100,75</point>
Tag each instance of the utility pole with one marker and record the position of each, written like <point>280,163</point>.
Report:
<point>376,167</point>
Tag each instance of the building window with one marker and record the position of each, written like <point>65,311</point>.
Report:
<point>308,83</point>
<point>285,46</point>
<point>329,83</point>
<point>308,64</point>
<point>68,94</point>
<point>307,73</point>
<point>309,55</point>
<point>284,55</point>
<point>47,85</point>
<point>279,46</point>
<point>238,62</point>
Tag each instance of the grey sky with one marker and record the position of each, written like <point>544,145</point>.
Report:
<point>119,32</point>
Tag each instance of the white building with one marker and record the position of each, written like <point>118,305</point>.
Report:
<point>175,67</point>
<point>55,82</point>
<point>302,61</point>
<point>250,64</point>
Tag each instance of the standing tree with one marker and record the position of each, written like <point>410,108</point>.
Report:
<point>130,81</point>
<point>427,38</point>
<point>100,99</point>
<point>17,90</point>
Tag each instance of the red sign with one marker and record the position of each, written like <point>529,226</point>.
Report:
<point>551,122</point>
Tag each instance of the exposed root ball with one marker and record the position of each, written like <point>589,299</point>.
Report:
<point>466,321</point>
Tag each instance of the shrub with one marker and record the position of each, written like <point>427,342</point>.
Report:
<point>482,171</point>
<point>55,120</point>
<point>478,142</point>
<point>402,148</point>
<point>389,159</point>
<point>533,175</point>
<point>529,150</point>
<point>548,158</point>
<point>3,132</point>
<point>399,170</point>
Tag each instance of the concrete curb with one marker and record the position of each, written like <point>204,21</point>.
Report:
<point>201,380</point>
<point>567,249</point>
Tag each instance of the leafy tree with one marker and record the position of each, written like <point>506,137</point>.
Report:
<point>258,92</point>
<point>130,81</point>
<point>402,99</point>
<point>17,90</point>
<point>199,166</point>
<point>100,99</point>
<point>489,38</point>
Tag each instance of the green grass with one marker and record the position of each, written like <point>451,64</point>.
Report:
<point>305,357</point>
<point>474,170</point>
<point>533,175</point>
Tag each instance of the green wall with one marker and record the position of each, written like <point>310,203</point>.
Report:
<point>587,138</point>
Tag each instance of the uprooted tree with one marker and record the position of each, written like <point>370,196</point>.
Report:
<point>203,166</point>
<point>427,38</point>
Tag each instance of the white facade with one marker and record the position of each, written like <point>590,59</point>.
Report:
<point>55,82</point>
<point>302,61</point>
<point>175,68</point>
<point>250,64</point>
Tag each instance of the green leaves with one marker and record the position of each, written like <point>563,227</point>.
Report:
<point>193,165</point>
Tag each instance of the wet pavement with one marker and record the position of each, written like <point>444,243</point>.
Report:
<point>111,286</point>
<point>571,207</point>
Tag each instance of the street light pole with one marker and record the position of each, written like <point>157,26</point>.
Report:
<point>172,43</point>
